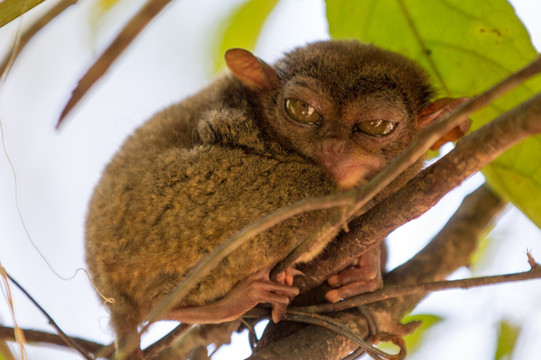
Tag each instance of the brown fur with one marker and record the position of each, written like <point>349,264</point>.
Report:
<point>201,170</point>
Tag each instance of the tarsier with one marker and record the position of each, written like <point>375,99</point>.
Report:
<point>324,119</point>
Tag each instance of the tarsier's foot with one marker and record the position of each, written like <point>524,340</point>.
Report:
<point>363,276</point>
<point>286,277</point>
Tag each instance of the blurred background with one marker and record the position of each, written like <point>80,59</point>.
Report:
<point>54,172</point>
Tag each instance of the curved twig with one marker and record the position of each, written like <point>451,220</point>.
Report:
<point>61,333</point>
<point>136,24</point>
<point>421,288</point>
<point>335,326</point>
<point>36,336</point>
<point>33,30</point>
<point>165,341</point>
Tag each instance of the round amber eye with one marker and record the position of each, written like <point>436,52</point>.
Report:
<point>376,128</point>
<point>302,112</point>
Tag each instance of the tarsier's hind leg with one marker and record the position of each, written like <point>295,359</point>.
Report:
<point>255,289</point>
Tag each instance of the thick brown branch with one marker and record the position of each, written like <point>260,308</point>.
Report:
<point>449,250</point>
<point>117,47</point>
<point>470,155</point>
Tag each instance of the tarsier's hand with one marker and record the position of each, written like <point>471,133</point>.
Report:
<point>363,275</point>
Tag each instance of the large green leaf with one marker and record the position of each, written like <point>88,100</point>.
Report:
<point>242,27</point>
<point>466,46</point>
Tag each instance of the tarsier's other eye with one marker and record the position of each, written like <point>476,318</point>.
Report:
<point>302,112</point>
<point>375,128</point>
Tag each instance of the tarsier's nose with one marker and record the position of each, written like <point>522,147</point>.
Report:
<point>332,147</point>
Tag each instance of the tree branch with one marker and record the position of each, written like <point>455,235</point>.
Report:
<point>136,24</point>
<point>449,250</point>
<point>420,288</point>
<point>67,340</point>
<point>470,155</point>
<point>35,336</point>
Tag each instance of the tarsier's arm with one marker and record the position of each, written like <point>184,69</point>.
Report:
<point>365,273</point>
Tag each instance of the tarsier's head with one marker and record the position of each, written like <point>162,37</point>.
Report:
<point>349,107</point>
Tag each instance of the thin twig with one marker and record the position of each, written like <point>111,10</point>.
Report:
<point>136,24</point>
<point>422,288</point>
<point>206,265</point>
<point>36,336</point>
<point>201,335</point>
<point>33,30</point>
<point>61,333</point>
<point>165,341</point>
<point>17,332</point>
<point>335,326</point>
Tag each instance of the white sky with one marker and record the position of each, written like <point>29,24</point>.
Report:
<point>56,171</point>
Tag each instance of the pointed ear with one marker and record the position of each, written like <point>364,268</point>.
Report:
<point>435,111</point>
<point>250,70</point>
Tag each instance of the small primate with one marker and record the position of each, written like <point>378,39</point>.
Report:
<point>324,119</point>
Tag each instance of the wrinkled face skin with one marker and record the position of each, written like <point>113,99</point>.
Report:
<point>351,116</point>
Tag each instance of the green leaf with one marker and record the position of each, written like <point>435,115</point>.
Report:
<point>415,339</point>
<point>105,5</point>
<point>5,352</point>
<point>466,46</point>
<point>98,12</point>
<point>242,27</point>
<point>507,338</point>
<point>483,254</point>
<point>12,9</point>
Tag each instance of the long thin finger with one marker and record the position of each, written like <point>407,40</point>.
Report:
<point>352,289</point>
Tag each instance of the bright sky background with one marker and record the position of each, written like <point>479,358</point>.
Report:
<point>56,171</point>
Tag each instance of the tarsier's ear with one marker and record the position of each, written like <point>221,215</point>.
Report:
<point>436,110</point>
<point>250,70</point>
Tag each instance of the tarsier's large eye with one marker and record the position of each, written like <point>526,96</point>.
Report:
<point>375,128</point>
<point>302,112</point>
